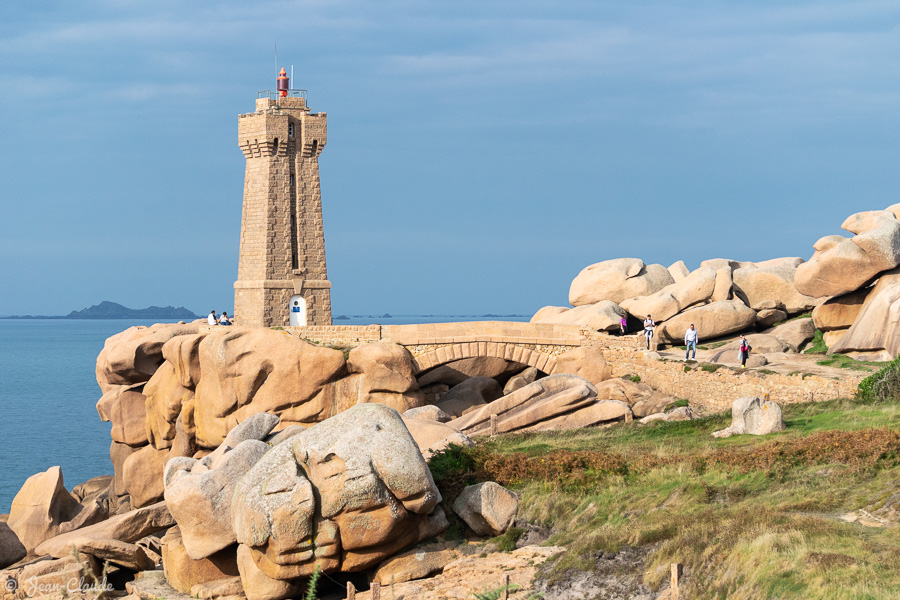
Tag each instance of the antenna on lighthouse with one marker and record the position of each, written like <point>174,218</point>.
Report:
<point>276,58</point>
<point>292,72</point>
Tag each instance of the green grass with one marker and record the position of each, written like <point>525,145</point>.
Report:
<point>817,344</point>
<point>843,361</point>
<point>679,402</point>
<point>507,541</point>
<point>742,531</point>
<point>714,345</point>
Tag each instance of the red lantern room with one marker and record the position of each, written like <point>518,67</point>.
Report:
<point>283,84</point>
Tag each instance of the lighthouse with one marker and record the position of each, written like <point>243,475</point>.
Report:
<point>282,279</point>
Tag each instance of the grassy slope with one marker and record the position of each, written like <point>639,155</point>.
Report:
<point>750,517</point>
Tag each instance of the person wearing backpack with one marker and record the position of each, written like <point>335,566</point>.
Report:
<point>744,351</point>
<point>623,325</point>
<point>648,329</point>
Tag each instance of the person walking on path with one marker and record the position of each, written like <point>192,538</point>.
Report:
<point>212,319</point>
<point>648,329</point>
<point>744,351</point>
<point>690,342</point>
<point>623,325</point>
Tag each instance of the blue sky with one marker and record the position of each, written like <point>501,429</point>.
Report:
<point>479,154</point>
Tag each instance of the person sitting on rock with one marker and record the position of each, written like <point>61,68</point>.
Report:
<point>690,343</point>
<point>212,319</point>
<point>224,320</point>
<point>648,329</point>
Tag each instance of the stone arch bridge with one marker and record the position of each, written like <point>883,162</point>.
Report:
<point>433,344</point>
<point>538,345</point>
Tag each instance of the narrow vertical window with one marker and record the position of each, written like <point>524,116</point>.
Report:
<point>290,130</point>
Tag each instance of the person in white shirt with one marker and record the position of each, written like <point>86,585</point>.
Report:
<point>223,320</point>
<point>648,329</point>
<point>212,319</point>
<point>690,343</point>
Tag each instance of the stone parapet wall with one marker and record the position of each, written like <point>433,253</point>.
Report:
<point>338,335</point>
<point>716,391</point>
<point>507,332</point>
<point>437,334</point>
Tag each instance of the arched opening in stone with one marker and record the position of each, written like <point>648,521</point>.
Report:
<point>460,386</point>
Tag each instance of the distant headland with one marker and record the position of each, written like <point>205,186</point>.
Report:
<point>113,310</point>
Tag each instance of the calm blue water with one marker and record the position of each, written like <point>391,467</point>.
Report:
<point>48,394</point>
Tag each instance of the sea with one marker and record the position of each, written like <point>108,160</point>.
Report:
<point>48,393</point>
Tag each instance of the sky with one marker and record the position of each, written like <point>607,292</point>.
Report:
<point>480,154</point>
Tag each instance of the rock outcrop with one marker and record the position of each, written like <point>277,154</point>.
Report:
<point>840,265</point>
<point>839,312</point>
<point>356,483</point>
<point>642,399</point>
<point>712,320</point>
<point>128,527</point>
<point>749,415</point>
<point>617,280</point>
<point>696,288</point>
<point>795,333</point>
<point>586,362</point>
<point>602,316</point>
<point>249,371</point>
<point>540,401</point>
<point>380,372</point>
<point>876,328</point>
<point>487,508</point>
<point>11,549</point>
<point>468,395</point>
<point>43,509</point>
<point>431,436</point>
<point>772,280</point>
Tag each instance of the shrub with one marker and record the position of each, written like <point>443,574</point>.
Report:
<point>710,367</point>
<point>883,385</point>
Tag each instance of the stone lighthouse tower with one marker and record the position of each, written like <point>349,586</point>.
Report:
<point>282,278</point>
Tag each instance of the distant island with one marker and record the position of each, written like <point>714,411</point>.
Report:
<point>113,310</point>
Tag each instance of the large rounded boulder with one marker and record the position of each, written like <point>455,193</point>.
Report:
<point>248,371</point>
<point>616,280</point>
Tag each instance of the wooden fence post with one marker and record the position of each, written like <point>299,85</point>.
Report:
<point>351,591</point>
<point>494,427</point>
<point>376,591</point>
<point>676,576</point>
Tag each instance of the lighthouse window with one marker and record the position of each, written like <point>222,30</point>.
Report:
<point>290,130</point>
<point>315,148</point>
<point>275,147</point>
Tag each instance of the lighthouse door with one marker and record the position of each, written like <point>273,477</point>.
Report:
<point>297,310</point>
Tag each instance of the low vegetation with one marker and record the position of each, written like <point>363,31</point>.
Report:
<point>817,344</point>
<point>749,517</point>
<point>843,361</point>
